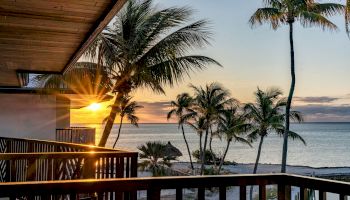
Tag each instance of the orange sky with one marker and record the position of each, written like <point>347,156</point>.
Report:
<point>153,112</point>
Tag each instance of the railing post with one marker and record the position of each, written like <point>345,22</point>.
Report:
<point>222,193</point>
<point>322,195</point>
<point>153,194</point>
<point>242,192</point>
<point>133,173</point>
<point>31,168</point>
<point>342,197</point>
<point>284,192</point>
<point>134,166</point>
<point>303,194</point>
<point>89,168</point>
<point>262,192</point>
<point>201,193</point>
<point>178,193</point>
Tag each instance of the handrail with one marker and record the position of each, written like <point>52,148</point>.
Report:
<point>51,155</point>
<point>155,185</point>
<point>64,144</point>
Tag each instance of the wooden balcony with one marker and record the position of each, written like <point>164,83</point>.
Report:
<point>35,169</point>
<point>36,160</point>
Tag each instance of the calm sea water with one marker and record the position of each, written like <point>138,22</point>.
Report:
<point>328,144</point>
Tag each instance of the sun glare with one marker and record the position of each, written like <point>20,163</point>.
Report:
<point>94,106</point>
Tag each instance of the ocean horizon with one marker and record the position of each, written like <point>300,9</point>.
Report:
<point>327,143</point>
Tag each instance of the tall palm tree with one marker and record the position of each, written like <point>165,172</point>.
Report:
<point>148,47</point>
<point>267,116</point>
<point>210,103</point>
<point>286,12</point>
<point>127,108</point>
<point>182,105</point>
<point>233,125</point>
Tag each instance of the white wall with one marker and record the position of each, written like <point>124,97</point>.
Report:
<point>28,116</point>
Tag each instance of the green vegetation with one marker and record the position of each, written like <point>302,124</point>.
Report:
<point>208,157</point>
<point>155,157</point>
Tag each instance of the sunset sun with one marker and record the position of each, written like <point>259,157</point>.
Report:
<point>94,106</point>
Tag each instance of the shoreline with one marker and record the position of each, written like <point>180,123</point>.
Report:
<point>247,168</point>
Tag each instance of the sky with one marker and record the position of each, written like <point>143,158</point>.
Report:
<point>258,57</point>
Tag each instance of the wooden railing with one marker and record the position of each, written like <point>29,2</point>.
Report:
<point>24,145</point>
<point>36,160</point>
<point>108,188</point>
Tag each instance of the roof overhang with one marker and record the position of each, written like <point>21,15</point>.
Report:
<point>40,36</point>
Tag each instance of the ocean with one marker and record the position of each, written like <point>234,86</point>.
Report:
<point>328,144</point>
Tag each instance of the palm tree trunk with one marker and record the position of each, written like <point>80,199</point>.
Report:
<point>188,148</point>
<point>120,127</point>
<point>289,101</point>
<point>224,156</point>
<point>211,148</point>
<point>258,155</point>
<point>200,146</point>
<point>256,163</point>
<point>204,148</point>
<point>110,121</point>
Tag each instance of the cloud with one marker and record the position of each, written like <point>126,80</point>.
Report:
<point>320,99</point>
<point>154,112</point>
<point>325,113</point>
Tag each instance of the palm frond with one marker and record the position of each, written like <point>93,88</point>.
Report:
<point>172,71</point>
<point>328,9</point>
<point>310,19</point>
<point>270,15</point>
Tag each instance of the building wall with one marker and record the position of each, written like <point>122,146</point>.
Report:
<point>30,116</point>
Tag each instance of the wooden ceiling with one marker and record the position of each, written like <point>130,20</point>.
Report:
<point>48,36</point>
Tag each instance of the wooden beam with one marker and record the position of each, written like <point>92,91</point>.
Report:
<point>103,22</point>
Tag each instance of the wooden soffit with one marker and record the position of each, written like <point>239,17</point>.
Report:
<point>48,36</point>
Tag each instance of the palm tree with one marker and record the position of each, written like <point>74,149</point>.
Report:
<point>154,157</point>
<point>285,12</point>
<point>182,105</point>
<point>267,116</point>
<point>209,103</point>
<point>127,109</point>
<point>199,125</point>
<point>233,125</point>
<point>148,47</point>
